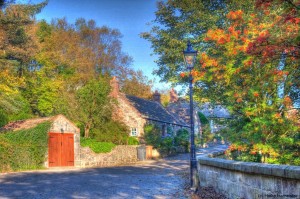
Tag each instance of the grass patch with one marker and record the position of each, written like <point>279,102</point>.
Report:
<point>97,147</point>
<point>24,149</point>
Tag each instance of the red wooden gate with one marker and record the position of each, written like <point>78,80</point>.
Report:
<point>61,149</point>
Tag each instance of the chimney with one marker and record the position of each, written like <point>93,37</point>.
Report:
<point>156,96</point>
<point>114,83</point>
<point>173,96</point>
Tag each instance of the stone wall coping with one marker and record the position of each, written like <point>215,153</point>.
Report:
<point>284,171</point>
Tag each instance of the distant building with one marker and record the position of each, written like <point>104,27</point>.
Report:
<point>215,114</point>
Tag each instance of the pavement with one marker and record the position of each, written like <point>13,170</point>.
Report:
<point>151,179</point>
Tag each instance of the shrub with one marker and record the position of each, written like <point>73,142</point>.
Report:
<point>80,125</point>
<point>203,119</point>
<point>112,131</point>
<point>132,141</point>
<point>182,138</point>
<point>97,147</point>
<point>3,118</point>
<point>152,135</point>
<point>24,149</point>
<point>166,144</point>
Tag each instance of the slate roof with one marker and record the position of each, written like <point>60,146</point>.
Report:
<point>154,111</point>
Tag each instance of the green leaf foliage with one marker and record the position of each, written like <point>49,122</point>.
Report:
<point>244,63</point>
<point>182,138</point>
<point>97,147</point>
<point>111,131</point>
<point>153,136</point>
<point>94,104</point>
<point>132,141</point>
<point>203,119</point>
<point>3,118</point>
<point>24,149</point>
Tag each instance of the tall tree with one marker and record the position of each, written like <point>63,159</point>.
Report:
<point>137,84</point>
<point>18,42</point>
<point>94,104</point>
<point>177,21</point>
<point>81,52</point>
<point>17,48</point>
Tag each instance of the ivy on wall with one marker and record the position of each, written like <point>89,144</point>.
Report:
<point>24,149</point>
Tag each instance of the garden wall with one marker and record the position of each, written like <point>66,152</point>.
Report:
<point>120,155</point>
<point>249,180</point>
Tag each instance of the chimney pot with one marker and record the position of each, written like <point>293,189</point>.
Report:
<point>114,83</point>
<point>173,96</point>
<point>156,96</point>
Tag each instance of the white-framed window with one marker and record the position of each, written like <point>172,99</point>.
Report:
<point>134,132</point>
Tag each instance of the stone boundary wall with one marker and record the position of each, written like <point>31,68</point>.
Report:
<point>249,180</point>
<point>120,155</point>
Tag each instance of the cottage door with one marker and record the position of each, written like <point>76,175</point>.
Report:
<point>61,149</point>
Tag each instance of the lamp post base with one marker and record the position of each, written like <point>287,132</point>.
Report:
<point>194,175</point>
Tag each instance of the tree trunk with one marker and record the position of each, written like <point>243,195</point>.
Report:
<point>87,130</point>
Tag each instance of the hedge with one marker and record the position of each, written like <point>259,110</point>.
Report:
<point>24,149</point>
<point>97,147</point>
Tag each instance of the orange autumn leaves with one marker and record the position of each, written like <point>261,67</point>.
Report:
<point>251,34</point>
<point>195,74</point>
<point>234,39</point>
<point>235,15</point>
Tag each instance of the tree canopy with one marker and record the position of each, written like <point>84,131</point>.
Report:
<point>248,62</point>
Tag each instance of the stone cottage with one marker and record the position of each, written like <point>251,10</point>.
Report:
<point>63,139</point>
<point>135,112</point>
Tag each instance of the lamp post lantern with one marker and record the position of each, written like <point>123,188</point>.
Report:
<point>189,60</point>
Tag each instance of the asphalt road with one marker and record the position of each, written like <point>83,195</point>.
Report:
<point>150,179</point>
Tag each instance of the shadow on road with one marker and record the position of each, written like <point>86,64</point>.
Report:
<point>150,179</point>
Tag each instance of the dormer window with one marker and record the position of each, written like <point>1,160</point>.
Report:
<point>133,132</point>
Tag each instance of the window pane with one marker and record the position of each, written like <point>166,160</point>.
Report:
<point>133,132</point>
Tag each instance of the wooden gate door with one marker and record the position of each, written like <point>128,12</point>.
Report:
<point>61,149</point>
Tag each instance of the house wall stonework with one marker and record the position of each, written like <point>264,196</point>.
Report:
<point>126,113</point>
<point>120,155</point>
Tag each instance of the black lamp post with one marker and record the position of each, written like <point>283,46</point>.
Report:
<point>189,60</point>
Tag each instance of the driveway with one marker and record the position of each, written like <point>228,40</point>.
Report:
<point>149,179</point>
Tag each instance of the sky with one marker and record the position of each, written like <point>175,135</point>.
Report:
<point>130,17</point>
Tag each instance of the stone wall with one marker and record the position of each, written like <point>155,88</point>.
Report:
<point>249,180</point>
<point>120,155</point>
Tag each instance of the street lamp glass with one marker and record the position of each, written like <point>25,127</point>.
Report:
<point>189,56</point>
